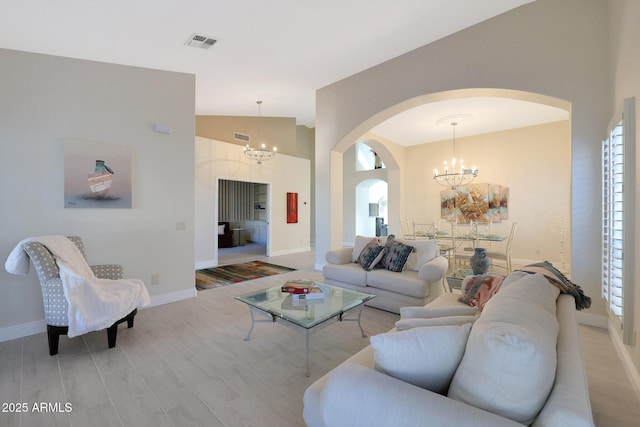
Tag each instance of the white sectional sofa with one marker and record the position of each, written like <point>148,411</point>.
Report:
<point>420,281</point>
<point>521,364</point>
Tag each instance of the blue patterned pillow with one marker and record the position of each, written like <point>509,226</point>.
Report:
<point>371,256</point>
<point>396,256</point>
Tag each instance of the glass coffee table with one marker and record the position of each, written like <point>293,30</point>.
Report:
<point>455,278</point>
<point>308,316</point>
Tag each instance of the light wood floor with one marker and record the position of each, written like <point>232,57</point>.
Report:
<point>186,364</point>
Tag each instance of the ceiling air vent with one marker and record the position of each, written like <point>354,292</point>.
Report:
<point>241,137</point>
<point>200,41</point>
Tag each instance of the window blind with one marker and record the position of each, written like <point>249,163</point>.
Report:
<point>235,200</point>
<point>618,221</point>
<point>613,220</point>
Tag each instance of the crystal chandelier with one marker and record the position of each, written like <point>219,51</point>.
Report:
<point>261,152</point>
<point>455,174</point>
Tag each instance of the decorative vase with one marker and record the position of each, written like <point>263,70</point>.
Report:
<point>479,261</point>
<point>100,179</point>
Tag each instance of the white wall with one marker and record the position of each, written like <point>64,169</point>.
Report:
<point>556,48</point>
<point>534,162</point>
<point>46,99</point>
<point>220,160</point>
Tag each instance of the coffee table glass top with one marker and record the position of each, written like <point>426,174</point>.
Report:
<point>306,313</point>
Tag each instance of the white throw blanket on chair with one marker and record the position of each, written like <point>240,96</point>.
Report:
<point>94,303</point>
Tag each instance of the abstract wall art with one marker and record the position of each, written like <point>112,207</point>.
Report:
<point>96,175</point>
<point>292,208</point>
<point>475,203</point>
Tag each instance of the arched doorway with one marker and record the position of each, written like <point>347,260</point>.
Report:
<point>422,166</point>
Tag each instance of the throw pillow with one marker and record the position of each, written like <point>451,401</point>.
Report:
<point>371,256</point>
<point>395,254</point>
<point>406,324</point>
<point>221,229</point>
<point>425,250</point>
<point>509,364</point>
<point>360,243</point>
<point>425,357</point>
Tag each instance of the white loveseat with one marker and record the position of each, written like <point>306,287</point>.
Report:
<point>420,281</point>
<point>521,365</point>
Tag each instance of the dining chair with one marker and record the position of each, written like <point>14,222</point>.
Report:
<point>504,255</point>
<point>406,229</point>
<point>424,231</point>
<point>462,237</point>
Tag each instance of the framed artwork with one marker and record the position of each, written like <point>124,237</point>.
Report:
<point>292,208</point>
<point>475,203</point>
<point>96,175</point>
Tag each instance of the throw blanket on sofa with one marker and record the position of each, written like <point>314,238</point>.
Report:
<point>480,289</point>
<point>94,303</point>
<point>555,277</point>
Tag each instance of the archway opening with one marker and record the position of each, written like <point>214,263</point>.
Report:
<point>414,195</point>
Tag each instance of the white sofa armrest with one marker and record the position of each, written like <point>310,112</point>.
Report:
<point>434,270</point>
<point>339,256</point>
<point>356,396</point>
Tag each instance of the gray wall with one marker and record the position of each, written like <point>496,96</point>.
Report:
<point>556,48</point>
<point>45,99</point>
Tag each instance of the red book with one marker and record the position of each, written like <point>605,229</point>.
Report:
<point>297,286</point>
<point>296,289</point>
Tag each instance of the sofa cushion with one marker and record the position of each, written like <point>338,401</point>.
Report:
<point>359,244</point>
<point>221,229</point>
<point>426,357</point>
<point>395,254</point>
<point>404,283</point>
<point>348,273</point>
<point>406,324</point>
<point>509,363</point>
<point>425,250</point>
<point>371,256</point>
<point>429,312</point>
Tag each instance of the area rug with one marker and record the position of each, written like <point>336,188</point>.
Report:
<point>234,273</point>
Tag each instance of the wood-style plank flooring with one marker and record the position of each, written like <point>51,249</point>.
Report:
<point>186,364</point>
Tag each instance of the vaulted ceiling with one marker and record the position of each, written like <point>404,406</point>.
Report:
<point>277,51</point>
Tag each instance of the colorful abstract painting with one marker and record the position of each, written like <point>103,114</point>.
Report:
<point>474,203</point>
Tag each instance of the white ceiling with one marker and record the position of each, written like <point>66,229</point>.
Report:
<point>277,51</point>
<point>474,116</point>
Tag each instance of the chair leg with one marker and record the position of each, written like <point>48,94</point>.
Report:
<point>130,318</point>
<point>53,335</point>
<point>112,333</point>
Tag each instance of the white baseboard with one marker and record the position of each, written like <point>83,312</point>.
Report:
<point>290,251</point>
<point>22,330</point>
<point>592,320</point>
<point>38,326</point>
<point>173,297</point>
<point>629,367</point>
<point>209,263</point>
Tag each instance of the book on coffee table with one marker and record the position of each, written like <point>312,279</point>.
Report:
<point>299,286</point>
<point>314,294</point>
